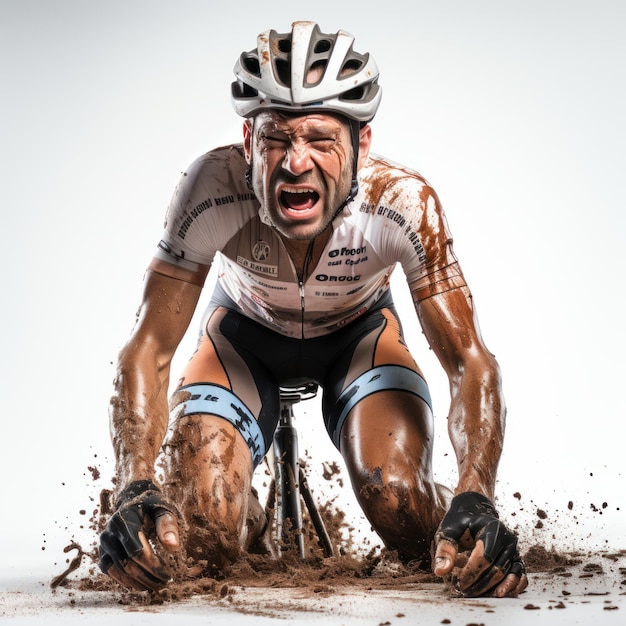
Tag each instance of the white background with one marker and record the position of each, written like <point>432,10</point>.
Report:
<point>513,111</point>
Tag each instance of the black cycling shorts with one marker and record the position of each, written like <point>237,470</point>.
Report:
<point>239,366</point>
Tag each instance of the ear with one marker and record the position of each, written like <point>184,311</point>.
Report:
<point>365,141</point>
<point>247,138</point>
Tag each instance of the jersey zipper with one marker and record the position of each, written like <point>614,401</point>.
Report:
<point>301,279</point>
<point>301,286</point>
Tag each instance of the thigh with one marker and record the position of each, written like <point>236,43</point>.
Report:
<point>380,383</point>
<point>224,381</point>
<point>223,414</point>
<point>387,438</point>
<point>381,421</point>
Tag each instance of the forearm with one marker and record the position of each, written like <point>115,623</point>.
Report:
<point>138,413</point>
<point>476,427</point>
<point>139,406</point>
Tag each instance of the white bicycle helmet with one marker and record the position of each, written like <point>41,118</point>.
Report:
<point>306,70</point>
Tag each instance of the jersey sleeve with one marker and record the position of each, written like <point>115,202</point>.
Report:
<point>412,229</point>
<point>439,270</point>
<point>198,221</point>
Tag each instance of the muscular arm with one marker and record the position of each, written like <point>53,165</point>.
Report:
<point>139,406</point>
<point>477,409</point>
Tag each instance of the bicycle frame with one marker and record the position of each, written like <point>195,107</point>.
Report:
<point>290,484</point>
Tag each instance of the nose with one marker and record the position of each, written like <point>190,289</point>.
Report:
<point>297,159</point>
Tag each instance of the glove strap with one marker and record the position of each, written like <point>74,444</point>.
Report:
<point>474,502</point>
<point>135,489</point>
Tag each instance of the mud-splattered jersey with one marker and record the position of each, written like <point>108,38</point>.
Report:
<point>395,218</point>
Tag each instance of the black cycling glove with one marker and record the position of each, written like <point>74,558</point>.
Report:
<point>120,540</point>
<point>474,513</point>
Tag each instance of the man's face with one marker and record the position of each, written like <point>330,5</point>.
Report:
<point>301,169</point>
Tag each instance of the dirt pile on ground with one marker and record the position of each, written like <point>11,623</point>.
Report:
<point>378,568</point>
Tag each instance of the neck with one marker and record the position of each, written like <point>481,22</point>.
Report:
<point>305,253</point>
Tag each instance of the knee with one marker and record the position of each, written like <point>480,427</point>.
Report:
<point>381,489</point>
<point>397,499</point>
<point>209,475</point>
<point>404,512</point>
<point>205,449</point>
<point>212,544</point>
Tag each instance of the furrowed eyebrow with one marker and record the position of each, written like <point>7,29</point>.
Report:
<point>273,135</point>
<point>315,133</point>
<point>323,137</point>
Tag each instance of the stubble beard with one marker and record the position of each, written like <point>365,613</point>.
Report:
<point>256,186</point>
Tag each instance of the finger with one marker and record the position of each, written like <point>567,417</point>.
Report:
<point>143,573</point>
<point>479,574</point>
<point>516,580</point>
<point>511,586</point>
<point>500,545</point>
<point>111,551</point>
<point>150,563</point>
<point>445,557</point>
<point>485,584</point>
<point>119,576</point>
<point>521,585</point>
<point>124,528</point>
<point>147,580</point>
<point>167,532</point>
<point>105,562</point>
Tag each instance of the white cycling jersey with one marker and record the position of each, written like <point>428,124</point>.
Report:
<point>395,218</point>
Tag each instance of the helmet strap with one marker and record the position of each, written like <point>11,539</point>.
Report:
<point>248,176</point>
<point>355,132</point>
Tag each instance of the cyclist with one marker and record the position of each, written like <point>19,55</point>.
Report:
<point>305,226</point>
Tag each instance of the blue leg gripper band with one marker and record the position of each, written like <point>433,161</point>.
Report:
<point>382,378</point>
<point>207,399</point>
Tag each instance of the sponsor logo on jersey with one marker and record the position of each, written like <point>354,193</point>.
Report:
<point>337,279</point>
<point>347,251</point>
<point>261,268</point>
<point>260,251</point>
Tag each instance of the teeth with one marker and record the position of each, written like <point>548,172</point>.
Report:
<point>299,190</point>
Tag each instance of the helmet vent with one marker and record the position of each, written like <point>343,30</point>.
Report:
<point>354,94</point>
<point>352,65</point>
<point>316,72</point>
<point>247,91</point>
<point>284,45</point>
<point>251,64</point>
<point>323,45</point>
<point>283,71</point>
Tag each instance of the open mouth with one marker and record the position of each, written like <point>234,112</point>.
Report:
<point>298,200</point>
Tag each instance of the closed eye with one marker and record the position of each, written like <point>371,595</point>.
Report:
<point>323,143</point>
<point>273,140</point>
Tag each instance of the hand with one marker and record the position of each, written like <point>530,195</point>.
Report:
<point>494,564</point>
<point>125,553</point>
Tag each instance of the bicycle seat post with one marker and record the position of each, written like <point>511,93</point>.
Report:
<point>286,455</point>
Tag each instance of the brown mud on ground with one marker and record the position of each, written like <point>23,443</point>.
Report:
<point>379,568</point>
<point>316,577</point>
<point>259,585</point>
<point>375,589</point>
